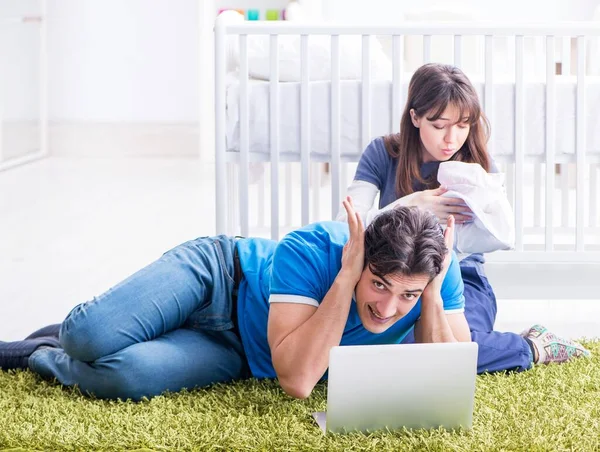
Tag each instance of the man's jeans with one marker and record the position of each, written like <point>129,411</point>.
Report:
<point>167,327</point>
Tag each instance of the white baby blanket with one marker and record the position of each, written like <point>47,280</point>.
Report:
<point>493,222</point>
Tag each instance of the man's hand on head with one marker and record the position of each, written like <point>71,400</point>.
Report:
<point>433,289</point>
<point>353,255</point>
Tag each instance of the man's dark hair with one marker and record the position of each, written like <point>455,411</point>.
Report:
<point>405,240</point>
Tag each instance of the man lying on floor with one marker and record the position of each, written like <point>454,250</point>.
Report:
<point>217,309</point>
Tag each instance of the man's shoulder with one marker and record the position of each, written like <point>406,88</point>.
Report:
<point>307,260</point>
<point>314,242</point>
<point>320,232</point>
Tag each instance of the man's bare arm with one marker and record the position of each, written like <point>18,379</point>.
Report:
<point>301,336</point>
<point>435,325</point>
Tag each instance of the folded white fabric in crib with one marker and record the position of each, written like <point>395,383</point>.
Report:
<point>319,61</point>
<point>493,226</point>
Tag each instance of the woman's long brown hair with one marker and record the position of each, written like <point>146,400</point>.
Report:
<point>431,89</point>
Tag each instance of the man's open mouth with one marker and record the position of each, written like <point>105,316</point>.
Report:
<point>377,317</point>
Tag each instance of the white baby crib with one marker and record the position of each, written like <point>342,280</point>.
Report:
<point>289,148</point>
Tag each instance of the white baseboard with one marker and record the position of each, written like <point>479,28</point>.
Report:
<point>18,139</point>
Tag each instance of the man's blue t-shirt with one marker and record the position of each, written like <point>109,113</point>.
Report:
<point>301,268</point>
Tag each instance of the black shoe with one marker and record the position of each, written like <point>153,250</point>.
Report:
<point>47,331</point>
<point>15,355</point>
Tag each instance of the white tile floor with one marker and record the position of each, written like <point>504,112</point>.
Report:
<point>70,228</point>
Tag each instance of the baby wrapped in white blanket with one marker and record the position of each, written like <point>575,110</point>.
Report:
<point>493,226</point>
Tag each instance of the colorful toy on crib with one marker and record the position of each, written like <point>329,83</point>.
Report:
<point>254,14</point>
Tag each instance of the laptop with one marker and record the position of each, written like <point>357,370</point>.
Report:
<point>372,387</point>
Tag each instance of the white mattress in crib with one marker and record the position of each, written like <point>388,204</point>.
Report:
<point>351,143</point>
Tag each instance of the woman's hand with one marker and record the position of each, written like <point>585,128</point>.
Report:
<point>434,287</point>
<point>353,255</point>
<point>443,207</point>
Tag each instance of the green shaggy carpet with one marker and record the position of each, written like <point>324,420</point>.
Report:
<point>549,408</point>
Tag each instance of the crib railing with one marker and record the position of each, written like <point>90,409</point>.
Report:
<point>536,185</point>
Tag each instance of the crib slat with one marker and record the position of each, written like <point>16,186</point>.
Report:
<point>344,174</point>
<point>580,147</point>
<point>366,91</point>
<point>519,143</point>
<point>397,95</point>
<point>566,55</point>
<point>537,194</point>
<point>335,125</point>
<point>538,46</point>
<point>458,51</point>
<point>233,201</point>
<point>550,140</point>
<point>274,134</point>
<point>510,183</point>
<point>564,204</point>
<point>221,180</point>
<point>244,137</point>
<point>262,187</point>
<point>316,190</point>
<point>593,198</point>
<point>489,86</point>
<point>289,187</point>
<point>426,49</point>
<point>305,127</point>
<point>1,134</point>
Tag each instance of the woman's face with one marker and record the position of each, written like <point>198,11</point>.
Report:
<point>442,138</point>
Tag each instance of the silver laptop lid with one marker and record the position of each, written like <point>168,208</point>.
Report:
<point>393,386</point>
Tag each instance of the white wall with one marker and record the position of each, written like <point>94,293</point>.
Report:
<point>111,64</point>
<point>390,11</point>
<point>109,60</point>
<point>123,60</point>
<point>19,61</point>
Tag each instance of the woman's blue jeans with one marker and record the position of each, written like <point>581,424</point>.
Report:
<point>167,327</point>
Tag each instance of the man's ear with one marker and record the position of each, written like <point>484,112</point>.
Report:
<point>414,118</point>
